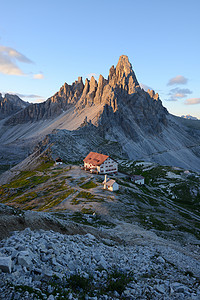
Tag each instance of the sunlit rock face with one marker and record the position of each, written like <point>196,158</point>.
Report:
<point>121,92</point>
<point>118,111</point>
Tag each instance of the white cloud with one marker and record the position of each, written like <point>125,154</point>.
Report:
<point>33,98</point>
<point>39,100</point>
<point>13,53</point>
<point>38,76</point>
<point>8,59</point>
<point>180,91</point>
<point>192,101</point>
<point>145,87</point>
<point>179,79</point>
<point>171,99</point>
<point>177,93</point>
<point>27,96</point>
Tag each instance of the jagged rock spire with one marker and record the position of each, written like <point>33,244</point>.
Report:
<point>123,75</point>
<point>124,67</point>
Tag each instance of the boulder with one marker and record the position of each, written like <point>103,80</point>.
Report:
<point>24,261</point>
<point>6,264</point>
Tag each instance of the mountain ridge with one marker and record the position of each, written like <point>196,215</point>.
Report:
<point>11,104</point>
<point>121,84</point>
<point>119,109</point>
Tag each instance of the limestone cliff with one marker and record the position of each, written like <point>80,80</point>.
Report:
<point>121,113</point>
<point>121,92</point>
<point>10,104</point>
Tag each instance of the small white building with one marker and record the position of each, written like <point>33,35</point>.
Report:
<point>110,184</point>
<point>103,164</point>
<point>138,179</point>
<point>58,161</point>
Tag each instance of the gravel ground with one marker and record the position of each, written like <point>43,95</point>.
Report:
<point>50,265</point>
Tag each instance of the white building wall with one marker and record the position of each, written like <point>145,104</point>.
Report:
<point>109,166</point>
<point>139,181</point>
<point>114,187</point>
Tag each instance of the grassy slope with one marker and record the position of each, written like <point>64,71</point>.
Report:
<point>47,186</point>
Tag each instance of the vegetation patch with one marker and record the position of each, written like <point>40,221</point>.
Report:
<point>21,180</point>
<point>186,197</point>
<point>88,185</point>
<point>96,220</point>
<point>45,166</point>
<point>88,211</point>
<point>85,195</point>
<point>117,281</point>
<point>25,198</point>
<point>75,201</point>
<point>151,222</point>
<point>26,179</point>
<point>55,200</point>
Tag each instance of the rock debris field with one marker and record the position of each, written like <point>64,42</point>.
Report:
<point>49,265</point>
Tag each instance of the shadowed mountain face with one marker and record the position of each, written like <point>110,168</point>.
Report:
<point>10,104</point>
<point>117,94</point>
<point>120,111</point>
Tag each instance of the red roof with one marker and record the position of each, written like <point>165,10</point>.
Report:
<point>96,159</point>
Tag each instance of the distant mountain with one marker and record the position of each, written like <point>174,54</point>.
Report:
<point>120,112</point>
<point>11,104</point>
<point>189,117</point>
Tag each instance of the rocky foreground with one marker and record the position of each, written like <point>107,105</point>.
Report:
<point>50,265</point>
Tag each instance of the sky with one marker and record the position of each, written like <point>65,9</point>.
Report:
<point>44,44</point>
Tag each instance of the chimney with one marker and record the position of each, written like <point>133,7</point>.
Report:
<point>105,180</point>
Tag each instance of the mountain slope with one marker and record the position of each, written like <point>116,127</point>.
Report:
<point>121,112</point>
<point>10,104</point>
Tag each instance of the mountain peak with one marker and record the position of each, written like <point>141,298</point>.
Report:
<point>123,75</point>
<point>123,67</point>
<point>10,104</point>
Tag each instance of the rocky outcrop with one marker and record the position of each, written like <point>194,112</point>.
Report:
<point>64,99</point>
<point>121,91</point>
<point>10,104</point>
<point>120,110</point>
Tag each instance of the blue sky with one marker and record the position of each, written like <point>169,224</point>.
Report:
<point>46,43</point>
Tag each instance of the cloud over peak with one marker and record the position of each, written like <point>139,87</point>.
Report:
<point>38,76</point>
<point>8,59</point>
<point>179,79</point>
<point>178,93</point>
<point>192,101</point>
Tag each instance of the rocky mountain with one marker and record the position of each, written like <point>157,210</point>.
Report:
<point>120,111</point>
<point>189,117</point>
<point>119,91</point>
<point>11,104</point>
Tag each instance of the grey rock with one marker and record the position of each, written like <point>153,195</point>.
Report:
<point>23,253</point>
<point>51,297</point>
<point>10,105</point>
<point>160,288</point>
<point>24,261</point>
<point>136,120</point>
<point>161,259</point>
<point>179,288</point>
<point>6,264</point>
